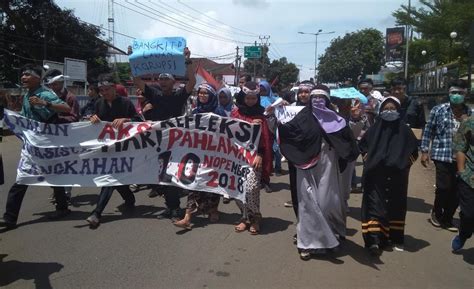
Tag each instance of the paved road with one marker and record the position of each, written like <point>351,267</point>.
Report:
<point>144,252</point>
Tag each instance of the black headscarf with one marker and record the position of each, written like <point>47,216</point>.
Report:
<point>389,144</point>
<point>257,109</point>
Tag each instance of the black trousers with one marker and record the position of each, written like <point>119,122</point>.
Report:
<point>446,198</point>
<point>294,192</point>
<point>466,203</point>
<point>15,198</point>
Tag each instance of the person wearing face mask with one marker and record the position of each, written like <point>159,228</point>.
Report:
<point>319,144</point>
<point>389,148</point>
<point>443,122</point>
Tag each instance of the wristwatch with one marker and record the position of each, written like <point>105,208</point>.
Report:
<point>188,62</point>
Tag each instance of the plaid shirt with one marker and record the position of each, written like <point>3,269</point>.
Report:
<point>440,131</point>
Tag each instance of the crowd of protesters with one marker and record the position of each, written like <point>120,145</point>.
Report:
<point>321,145</point>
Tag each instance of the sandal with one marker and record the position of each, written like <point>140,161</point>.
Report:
<point>254,228</point>
<point>182,224</point>
<point>241,227</point>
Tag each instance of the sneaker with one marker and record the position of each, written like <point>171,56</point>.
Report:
<point>288,204</point>
<point>226,200</point>
<point>125,208</point>
<point>457,243</point>
<point>58,214</point>
<point>375,250</point>
<point>434,220</point>
<point>153,193</point>
<point>305,255</point>
<point>93,220</point>
<point>450,227</point>
<point>267,188</point>
<point>278,173</point>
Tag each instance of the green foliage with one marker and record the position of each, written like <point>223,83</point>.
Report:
<point>434,20</point>
<point>29,24</point>
<point>123,71</point>
<point>349,57</point>
<point>286,72</point>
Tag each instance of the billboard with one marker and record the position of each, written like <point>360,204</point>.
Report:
<point>394,40</point>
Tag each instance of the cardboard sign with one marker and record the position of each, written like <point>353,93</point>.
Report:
<point>159,55</point>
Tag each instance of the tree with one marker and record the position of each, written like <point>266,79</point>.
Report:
<point>33,29</point>
<point>284,72</point>
<point>434,20</point>
<point>354,55</point>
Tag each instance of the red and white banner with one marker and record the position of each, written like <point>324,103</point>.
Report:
<point>203,152</point>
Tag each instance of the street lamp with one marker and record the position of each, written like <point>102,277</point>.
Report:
<point>423,52</point>
<point>320,31</point>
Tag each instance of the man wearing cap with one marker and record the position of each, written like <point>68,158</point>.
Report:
<point>374,98</point>
<point>411,112</point>
<point>39,104</point>
<point>440,129</point>
<point>117,110</point>
<point>168,103</point>
<point>55,80</point>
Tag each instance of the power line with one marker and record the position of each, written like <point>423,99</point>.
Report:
<point>206,34</point>
<point>197,11</point>
<point>195,19</point>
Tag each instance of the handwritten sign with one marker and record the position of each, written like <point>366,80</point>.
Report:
<point>285,113</point>
<point>159,55</point>
<point>348,93</point>
<point>202,152</point>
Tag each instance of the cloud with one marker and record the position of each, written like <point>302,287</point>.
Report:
<point>251,3</point>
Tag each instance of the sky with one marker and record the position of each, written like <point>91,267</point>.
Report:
<point>215,28</point>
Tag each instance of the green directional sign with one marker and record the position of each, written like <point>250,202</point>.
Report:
<point>252,51</point>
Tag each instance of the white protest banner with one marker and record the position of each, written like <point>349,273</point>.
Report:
<point>159,55</point>
<point>348,93</point>
<point>202,152</point>
<point>285,113</point>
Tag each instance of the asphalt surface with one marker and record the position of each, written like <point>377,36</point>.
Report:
<point>140,251</point>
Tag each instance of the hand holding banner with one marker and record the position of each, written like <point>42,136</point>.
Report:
<point>159,55</point>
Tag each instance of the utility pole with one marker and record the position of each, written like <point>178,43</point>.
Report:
<point>264,43</point>
<point>408,41</point>
<point>255,67</point>
<point>320,31</point>
<point>111,21</point>
<point>237,66</point>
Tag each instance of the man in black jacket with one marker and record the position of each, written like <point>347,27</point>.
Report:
<point>411,111</point>
<point>168,103</point>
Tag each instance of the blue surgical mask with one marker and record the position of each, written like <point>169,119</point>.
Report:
<point>456,98</point>
<point>390,115</point>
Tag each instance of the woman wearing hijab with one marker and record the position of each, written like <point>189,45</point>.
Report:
<point>319,143</point>
<point>225,102</point>
<point>389,148</point>
<point>203,202</point>
<point>302,99</point>
<point>249,109</point>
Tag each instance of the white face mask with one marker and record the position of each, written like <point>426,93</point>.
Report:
<point>390,115</point>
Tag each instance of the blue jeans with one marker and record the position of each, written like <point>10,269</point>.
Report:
<point>106,194</point>
<point>276,156</point>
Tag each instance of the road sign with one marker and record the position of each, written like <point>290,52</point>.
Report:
<point>252,51</point>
